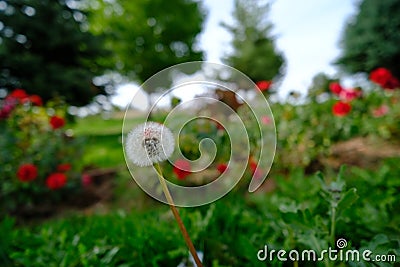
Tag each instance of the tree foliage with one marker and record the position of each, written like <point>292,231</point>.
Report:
<point>148,36</point>
<point>254,51</point>
<point>371,38</point>
<point>320,86</point>
<point>46,49</point>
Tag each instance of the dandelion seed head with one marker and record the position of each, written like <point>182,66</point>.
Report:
<point>149,143</point>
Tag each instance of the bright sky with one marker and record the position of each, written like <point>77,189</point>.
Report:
<point>308,34</point>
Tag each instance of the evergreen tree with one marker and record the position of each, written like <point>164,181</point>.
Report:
<point>372,38</point>
<point>47,50</point>
<point>254,51</point>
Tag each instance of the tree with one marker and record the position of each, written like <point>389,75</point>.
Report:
<point>254,51</point>
<point>148,36</point>
<point>47,50</point>
<point>371,38</point>
<point>320,86</point>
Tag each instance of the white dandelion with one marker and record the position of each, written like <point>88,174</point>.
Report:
<point>149,143</point>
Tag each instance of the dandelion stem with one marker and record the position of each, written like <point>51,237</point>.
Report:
<point>333,222</point>
<point>177,216</point>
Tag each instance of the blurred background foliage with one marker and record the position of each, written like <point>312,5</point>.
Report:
<point>253,47</point>
<point>146,36</point>
<point>46,48</point>
<point>57,48</point>
<point>371,38</point>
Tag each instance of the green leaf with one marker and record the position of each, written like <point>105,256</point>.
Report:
<point>347,200</point>
<point>110,255</point>
<point>340,175</point>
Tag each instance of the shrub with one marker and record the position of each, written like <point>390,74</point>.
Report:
<point>40,159</point>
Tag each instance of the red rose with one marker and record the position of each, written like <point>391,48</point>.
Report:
<point>64,167</point>
<point>335,88</point>
<point>35,100</point>
<point>341,109</point>
<point>384,78</point>
<point>7,109</point>
<point>222,167</point>
<point>264,85</point>
<point>255,171</point>
<point>18,94</point>
<point>27,172</point>
<point>182,168</point>
<point>381,111</point>
<point>56,181</point>
<point>392,83</point>
<point>265,120</point>
<point>219,126</point>
<point>56,122</point>
<point>348,95</point>
<point>380,76</point>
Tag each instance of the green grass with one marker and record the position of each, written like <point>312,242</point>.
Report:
<point>103,139</point>
<point>96,125</point>
<point>230,231</point>
<point>103,151</point>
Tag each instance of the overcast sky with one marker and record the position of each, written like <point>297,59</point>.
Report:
<point>308,34</point>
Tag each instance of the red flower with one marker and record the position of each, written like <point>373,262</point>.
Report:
<point>381,111</point>
<point>255,171</point>
<point>222,167</point>
<point>86,180</point>
<point>27,172</point>
<point>341,109</point>
<point>384,78</point>
<point>4,113</point>
<point>348,95</point>
<point>7,109</point>
<point>182,168</point>
<point>219,126</point>
<point>57,122</point>
<point>18,94</point>
<point>56,181</point>
<point>335,88</point>
<point>35,100</point>
<point>64,167</point>
<point>265,120</point>
<point>264,85</point>
<point>393,83</point>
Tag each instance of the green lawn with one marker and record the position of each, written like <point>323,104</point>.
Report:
<point>97,125</point>
<point>103,139</point>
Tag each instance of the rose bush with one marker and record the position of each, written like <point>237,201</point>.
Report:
<point>307,131</point>
<point>39,157</point>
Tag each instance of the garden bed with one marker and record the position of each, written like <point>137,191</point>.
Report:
<point>100,190</point>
